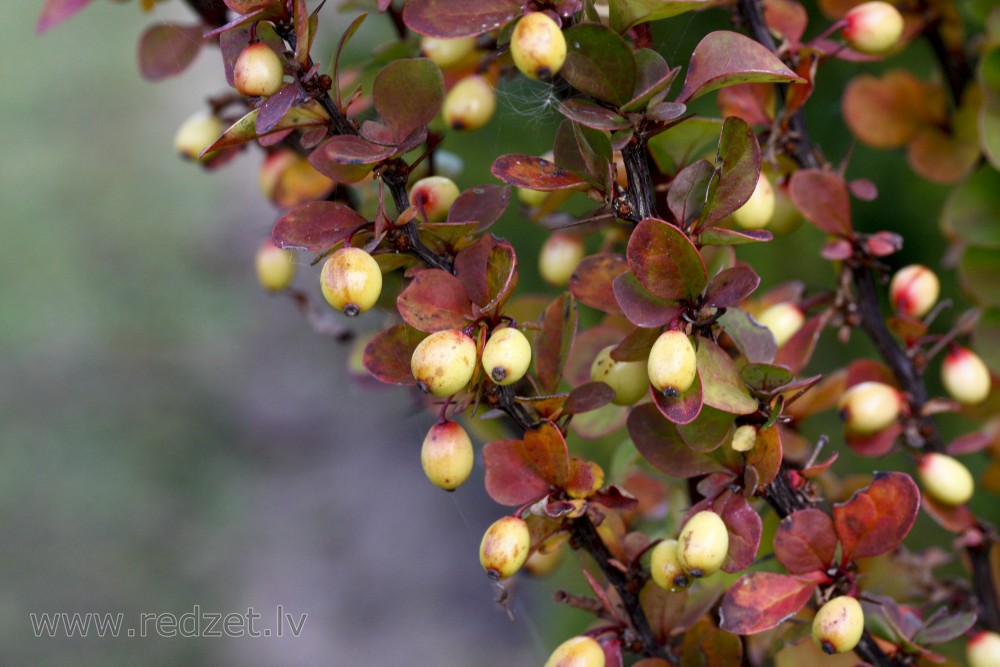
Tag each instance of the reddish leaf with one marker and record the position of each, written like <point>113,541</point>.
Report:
<point>956,519</point>
<point>805,541</point>
<point>738,166</point>
<point>488,269</point>
<point>274,108</point>
<point>665,261</point>
<point>591,282</point>
<point>745,528</point>
<point>591,114</point>
<point>545,447</point>
<point>708,431</point>
<point>554,340</point>
<point>408,94</point>
<point>754,341</point>
<point>705,645</point>
<point>660,443</point>
<point>652,77</point>
<point>636,345</point>
<point>347,158</point>
<point>587,397</point>
<point>877,518</point>
<point>435,300</point>
<point>787,19</point>
<point>766,455</point>
<point>689,191</point>
<point>798,350</point>
<point>458,18</point>
<point>823,199</point>
<point>685,408</point>
<point>511,479</point>
<point>724,58</point>
<point>731,286</point>
<point>534,173</point>
<point>599,63</point>
<point>725,237</point>
<point>877,444</point>
<point>56,11</point>
<point>722,386</point>
<point>640,307</point>
<point>166,49</point>
<point>760,601</point>
<point>753,102</point>
<point>387,355</point>
<point>483,204</point>
<point>316,225</point>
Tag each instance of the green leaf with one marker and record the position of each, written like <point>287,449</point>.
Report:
<point>308,114</point>
<point>979,270</point>
<point>627,13</point>
<point>972,210</point>
<point>599,63</point>
<point>722,386</point>
<point>674,148</point>
<point>725,58</point>
<point>665,261</point>
<point>738,164</point>
<point>987,337</point>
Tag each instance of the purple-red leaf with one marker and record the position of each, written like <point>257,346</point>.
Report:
<point>754,341</point>
<point>640,307</point>
<point>760,601</point>
<point>591,282</point>
<point>316,225</point>
<point>510,477</point>
<point>554,340</point>
<point>458,18</point>
<point>665,261</point>
<point>408,94</point>
<point>488,269</point>
<point>56,11</point>
<point>823,199</point>
<point>738,164</point>
<point>661,444</point>
<point>877,518</point>
<point>724,58</point>
<point>347,158</point>
<point>745,528</point>
<point>435,300</point>
<point>483,204</point>
<point>599,63</point>
<point>534,173</point>
<point>166,49</point>
<point>587,397</point>
<point>591,114</point>
<point>805,541</point>
<point>275,107</point>
<point>731,286</point>
<point>387,355</point>
<point>683,409</point>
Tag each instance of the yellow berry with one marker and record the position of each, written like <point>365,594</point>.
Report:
<point>258,71</point>
<point>838,625</point>
<point>629,379</point>
<point>703,544</point>
<point>469,104</point>
<point>759,208</point>
<point>744,438</point>
<point>505,546</point>
<point>561,254</point>
<point>672,363</point>
<point>434,195</point>
<point>532,198</point>
<point>965,376</point>
<point>983,649</point>
<point>914,290</point>
<point>538,46</point>
<point>446,52</point>
<point>945,479</point>
<point>873,27</point>
<point>275,267</point>
<point>579,651</point>
<point>443,363</point>
<point>869,407</point>
<point>447,455</point>
<point>288,179</point>
<point>665,567</point>
<point>784,320</point>
<point>506,356</point>
<point>196,134</point>
<point>351,280</point>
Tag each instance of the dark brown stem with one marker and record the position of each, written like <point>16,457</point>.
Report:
<point>869,651</point>
<point>640,184</point>
<point>954,64</point>
<point>212,12</point>
<point>985,586</point>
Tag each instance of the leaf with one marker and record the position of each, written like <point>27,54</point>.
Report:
<point>766,456</point>
<point>948,626</point>
<point>738,165</point>
<point>798,350</point>
<point>599,63</point>
<point>408,94</point>
<point>483,204</point>
<point>877,518</point>
<point>316,225</point>
<point>888,111</point>
<point>665,261</point>
<point>652,78</point>
<point>274,108</point>
<point>627,13</point>
<point>592,281</point>
<point>677,146</point>
<point>640,307</point>
<point>682,409</point>
<point>636,345</point>
<point>534,173</point>
<point>822,198</point>
<point>583,151</point>
<point>166,49</point>
<point>979,271</point>
<point>708,431</point>
<point>722,386</point>
<point>689,191</point>
<point>554,340</point>
<point>754,341</point>
<point>55,12</point>
<point>972,209</point>
<point>511,479</point>
<point>723,58</point>
<point>591,114</point>
<point>786,18</point>
<point>805,541</point>
<point>745,528</point>
<point>705,645</point>
<point>765,378</point>
<point>458,18</point>
<point>588,397</point>
<point>309,114</point>
<point>987,337</point>
<point>661,444</point>
<point>433,301</point>
<point>760,601</point>
<point>731,286</point>
<point>387,355</point>
<point>488,269</point>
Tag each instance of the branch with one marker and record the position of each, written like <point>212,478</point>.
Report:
<point>212,12</point>
<point>640,184</point>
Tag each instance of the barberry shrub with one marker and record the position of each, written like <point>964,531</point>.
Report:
<point>732,459</point>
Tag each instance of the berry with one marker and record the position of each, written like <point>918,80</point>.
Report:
<point>506,356</point>
<point>560,255</point>
<point>196,134</point>
<point>538,46</point>
<point>759,208</point>
<point>873,27</point>
<point>945,479</point>
<point>446,52</point>
<point>447,455</point>
<point>665,567</point>
<point>505,546</point>
<point>786,217</point>
<point>469,104</point>
<point>869,407</point>
<point>288,180</point>
<point>784,320</point>
<point>258,71</point>
<point>838,625</point>
<point>703,544</point>
<point>983,649</point>
<point>443,362</point>
<point>546,558</point>
<point>672,363</point>
<point>434,195</point>
<point>965,376</point>
<point>579,651</point>
<point>274,266</point>
<point>744,438</point>
<point>351,280</point>
<point>914,290</point>
<point>532,198</point>
<point>629,379</point>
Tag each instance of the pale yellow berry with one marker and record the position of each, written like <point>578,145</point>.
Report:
<point>672,364</point>
<point>275,267</point>
<point>784,320</point>
<point>443,363</point>
<point>505,546</point>
<point>629,379</point>
<point>447,51</point>
<point>744,438</point>
<point>873,27</point>
<point>506,356</point>
<point>945,479</point>
<point>838,625</point>
<point>434,195</point>
<point>869,407</point>
<point>351,280</point>
<point>579,651</point>
<point>758,210</point>
<point>258,71</point>
<point>665,567</point>
<point>560,255</point>
<point>965,377</point>
<point>447,455</point>
<point>703,544</point>
<point>538,46</point>
<point>196,134</point>
<point>914,290</point>
<point>470,104</point>
<point>983,649</point>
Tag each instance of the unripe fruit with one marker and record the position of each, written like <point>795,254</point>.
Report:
<point>560,255</point>
<point>447,455</point>
<point>546,558</point>
<point>434,195</point>
<point>873,27</point>
<point>274,266</point>
<point>506,356</point>
<point>258,71</point>
<point>469,104</point>
<point>784,320</point>
<point>445,52</point>
<point>869,407</point>
<point>505,547</point>
<point>744,438</point>
<point>629,379</point>
<point>965,376</point>
<point>838,625</point>
<point>914,290</point>
<point>196,134</point>
<point>945,479</point>
<point>759,208</point>
<point>538,46</point>
<point>443,362</point>
<point>703,544</point>
<point>532,198</point>
<point>983,649</point>
<point>665,567</point>
<point>351,280</point>
<point>579,651</point>
<point>672,364</point>
<point>288,179</point>
<point>786,218</point>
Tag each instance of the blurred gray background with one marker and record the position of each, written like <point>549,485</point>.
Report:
<point>173,437</point>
